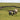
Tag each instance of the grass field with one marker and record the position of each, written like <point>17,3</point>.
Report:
<point>10,4</point>
<point>4,14</point>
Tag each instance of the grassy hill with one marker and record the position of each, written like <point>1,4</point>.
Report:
<point>10,4</point>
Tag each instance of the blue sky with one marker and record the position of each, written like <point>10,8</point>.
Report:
<point>10,1</point>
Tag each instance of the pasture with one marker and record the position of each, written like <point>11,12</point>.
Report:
<point>10,4</point>
<point>4,14</point>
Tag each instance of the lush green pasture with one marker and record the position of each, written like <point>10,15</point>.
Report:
<point>10,4</point>
<point>4,14</point>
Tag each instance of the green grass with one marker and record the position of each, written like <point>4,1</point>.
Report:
<point>10,4</point>
<point>4,14</point>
